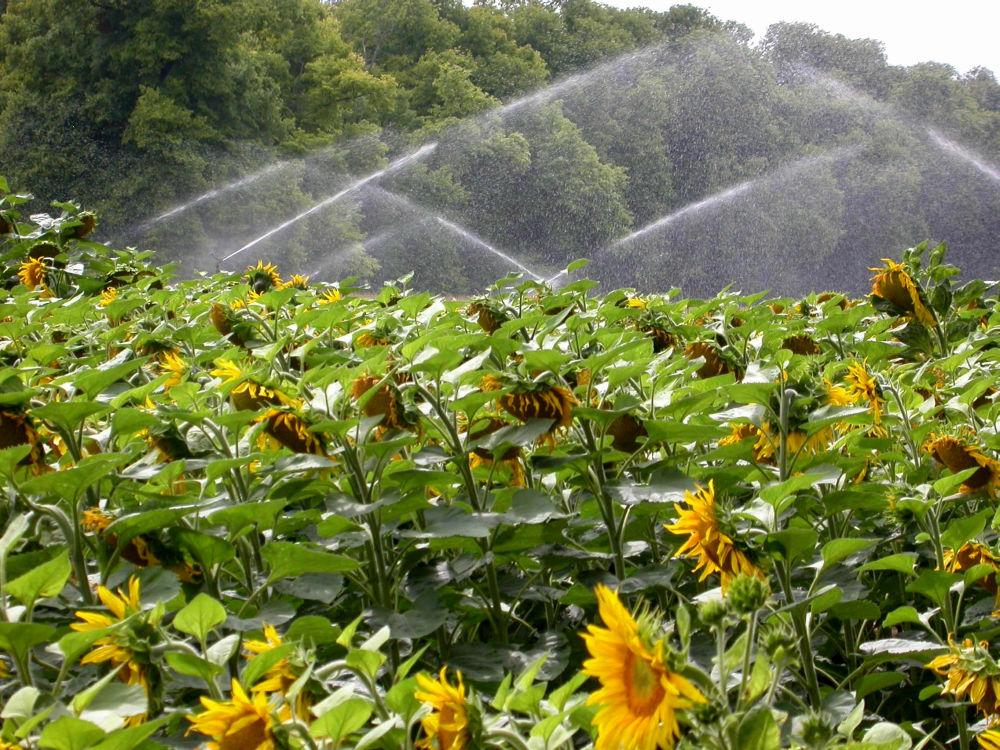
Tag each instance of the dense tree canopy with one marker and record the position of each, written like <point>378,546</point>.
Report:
<point>132,107</point>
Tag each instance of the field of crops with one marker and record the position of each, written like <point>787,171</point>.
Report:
<point>255,513</point>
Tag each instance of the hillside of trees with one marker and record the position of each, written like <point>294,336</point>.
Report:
<point>134,107</point>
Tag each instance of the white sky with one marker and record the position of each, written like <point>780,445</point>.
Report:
<point>962,33</point>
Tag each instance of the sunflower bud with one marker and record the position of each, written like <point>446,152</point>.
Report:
<point>747,594</point>
<point>712,612</point>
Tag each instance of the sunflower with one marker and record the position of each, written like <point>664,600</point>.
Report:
<point>280,676</point>
<point>330,296</point>
<point>108,296</point>
<point>171,362</point>
<point>368,339</point>
<point>535,401</point>
<point>801,344</point>
<point>989,740</point>
<point>32,273</point>
<point>489,317</point>
<point>895,285</point>
<point>714,550</point>
<point>513,464</point>
<point>625,431</point>
<point>291,431</point>
<point>447,726</point>
<point>639,696</point>
<point>115,647</point>
<point>247,394</point>
<point>863,387</point>
<point>837,395</point>
<point>958,456</point>
<point>714,364</point>
<point>16,428</point>
<point>262,278</point>
<point>237,724</point>
<point>968,556</point>
<point>95,520</point>
<point>295,281</point>
<point>738,432</point>
<point>384,402</point>
<point>972,674</point>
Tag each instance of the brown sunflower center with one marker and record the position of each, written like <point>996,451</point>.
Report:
<point>642,685</point>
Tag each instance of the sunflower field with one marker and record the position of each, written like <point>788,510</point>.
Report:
<point>248,512</point>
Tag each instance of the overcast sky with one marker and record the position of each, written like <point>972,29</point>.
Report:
<point>962,33</point>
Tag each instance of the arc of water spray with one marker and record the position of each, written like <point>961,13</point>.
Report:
<point>864,100</point>
<point>727,194</point>
<point>242,182</point>
<point>420,153</point>
<point>460,231</point>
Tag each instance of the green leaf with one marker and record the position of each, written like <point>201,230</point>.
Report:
<point>342,721</point>
<point>193,666</point>
<point>964,528</point>
<point>758,730</point>
<point>68,415</point>
<point>19,637</point>
<point>793,543</point>
<point>288,559</point>
<point>902,562</point>
<point>840,549</point>
<point>202,615</point>
<point>947,485</point>
<point>70,733</point>
<point>934,584</point>
<point>901,615</point>
<point>130,737</point>
<point>259,665</point>
<point>45,581</point>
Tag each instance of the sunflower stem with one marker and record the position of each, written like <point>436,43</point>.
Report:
<point>747,655</point>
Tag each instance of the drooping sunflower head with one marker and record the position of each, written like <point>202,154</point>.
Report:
<point>713,548</point>
<point>241,723</point>
<point>738,432</point>
<point>172,364</point>
<point>968,556</point>
<point>537,400</point>
<point>33,273</point>
<point>121,647</point>
<point>958,456</point>
<point>95,520</point>
<point>262,277</point>
<point>971,674</point>
<point>108,296</point>
<point>246,392</point>
<point>640,695</point>
<point>801,344</point>
<point>862,386</point>
<point>291,431</point>
<point>895,286</point>
<point>18,428</point>
<point>384,402</point>
<point>450,725</point>
<point>280,676</point>
<point>83,225</point>
<point>489,315</point>
<point>714,363</point>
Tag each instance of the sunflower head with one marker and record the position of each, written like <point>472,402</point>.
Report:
<point>714,363</point>
<point>262,278</point>
<point>453,721</point>
<point>384,402</point>
<point>296,281</point>
<point>536,400</point>
<point>625,431</point>
<point>246,393</point>
<point>33,273</point>
<point>330,296</point>
<point>108,296</point>
<point>17,428</point>
<point>640,694</point>
<point>863,387</point>
<point>801,344</point>
<point>280,676</point>
<point>95,520</point>
<point>241,723</point>
<point>971,674</point>
<point>893,286</point>
<point>173,365</point>
<point>707,542</point>
<point>291,431</point>
<point>958,456</point>
<point>968,556</point>
<point>125,647</point>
